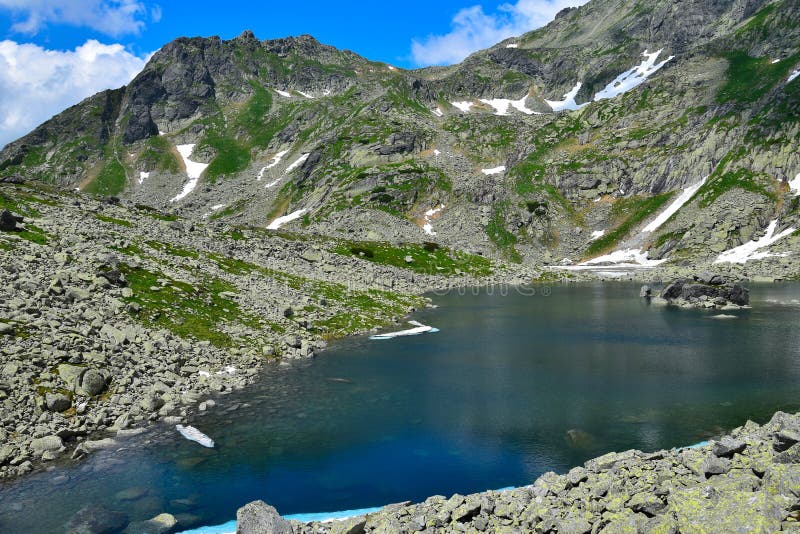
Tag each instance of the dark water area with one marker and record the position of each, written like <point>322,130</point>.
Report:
<point>510,387</point>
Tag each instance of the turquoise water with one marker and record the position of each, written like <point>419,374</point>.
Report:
<point>510,387</point>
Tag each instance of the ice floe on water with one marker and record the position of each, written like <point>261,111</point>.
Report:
<point>494,170</point>
<point>464,106</point>
<point>793,75</point>
<point>633,77</point>
<point>193,171</point>
<point>569,100</point>
<point>418,329</point>
<point>280,221</point>
<point>143,176</point>
<point>676,205</point>
<point>501,105</point>
<point>192,434</point>
<point>429,215</point>
<point>752,250</point>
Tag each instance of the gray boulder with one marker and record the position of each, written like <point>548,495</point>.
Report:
<point>260,518</point>
<point>57,402</point>
<point>92,383</point>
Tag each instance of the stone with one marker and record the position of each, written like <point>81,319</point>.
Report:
<point>152,403</point>
<point>8,221</point>
<point>71,374</point>
<point>57,402</point>
<point>92,383</point>
<point>645,292</point>
<point>7,329</point>
<point>160,524</point>
<point>260,518</point>
<point>728,446</point>
<point>47,443</point>
<point>97,520</point>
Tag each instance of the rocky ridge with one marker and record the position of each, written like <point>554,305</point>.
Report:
<point>748,481</point>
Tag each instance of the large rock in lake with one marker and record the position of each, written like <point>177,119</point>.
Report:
<point>260,518</point>
<point>706,291</point>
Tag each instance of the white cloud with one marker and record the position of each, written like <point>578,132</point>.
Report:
<point>111,17</point>
<point>473,29</point>
<point>36,83</point>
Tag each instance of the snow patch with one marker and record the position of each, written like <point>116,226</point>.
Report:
<point>464,106</point>
<point>673,208</point>
<point>193,171</point>
<point>437,152</point>
<point>390,67</point>
<point>275,160</point>
<point>280,221</point>
<point>793,75</point>
<point>501,105</point>
<point>143,176</point>
<point>569,100</point>
<point>283,93</point>
<point>775,61</point>
<point>307,95</point>
<point>598,234</point>
<point>418,329</point>
<point>794,185</point>
<point>750,250</point>
<point>512,45</point>
<point>633,77</point>
<point>632,257</point>
<point>429,215</point>
<point>296,163</point>
<point>213,209</point>
<point>494,170</point>
<point>192,434</point>
<point>438,112</point>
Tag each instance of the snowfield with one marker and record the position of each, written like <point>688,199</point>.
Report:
<point>280,221</point>
<point>634,77</point>
<point>193,171</point>
<point>568,104</point>
<point>494,170</point>
<point>676,205</point>
<point>752,250</point>
<point>501,105</point>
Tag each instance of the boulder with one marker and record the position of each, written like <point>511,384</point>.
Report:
<point>160,524</point>
<point>260,518</point>
<point>97,520</point>
<point>57,402</point>
<point>8,221</point>
<point>696,293</point>
<point>92,383</point>
<point>47,443</point>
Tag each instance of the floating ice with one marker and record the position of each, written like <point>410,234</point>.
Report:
<point>501,105</point>
<point>193,171</point>
<point>494,170</point>
<point>569,100</point>
<point>297,163</point>
<point>633,77</point>
<point>676,205</point>
<point>418,329</point>
<point>428,227</point>
<point>143,176</point>
<point>464,106</point>
<point>598,234</point>
<point>280,221</point>
<point>793,75</point>
<point>750,250</point>
<point>192,434</point>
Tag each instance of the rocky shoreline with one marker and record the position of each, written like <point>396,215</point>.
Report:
<point>747,481</point>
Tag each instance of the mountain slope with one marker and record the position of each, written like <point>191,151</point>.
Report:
<point>358,149</point>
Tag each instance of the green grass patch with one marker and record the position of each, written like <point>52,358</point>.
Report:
<point>428,258</point>
<point>34,234</point>
<point>158,154</point>
<point>113,220</point>
<point>721,182</point>
<point>173,250</point>
<point>110,181</point>
<point>155,214</point>
<point>500,236</point>
<point>231,156</point>
<point>750,78</point>
<point>189,311</point>
<point>631,212</point>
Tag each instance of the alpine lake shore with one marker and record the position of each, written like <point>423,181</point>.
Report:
<point>95,350</point>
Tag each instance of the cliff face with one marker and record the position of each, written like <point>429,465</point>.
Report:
<point>562,143</point>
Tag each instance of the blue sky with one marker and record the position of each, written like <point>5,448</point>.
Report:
<point>54,53</point>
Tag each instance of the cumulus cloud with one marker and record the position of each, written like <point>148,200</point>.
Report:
<point>111,17</point>
<point>473,29</point>
<point>36,83</point>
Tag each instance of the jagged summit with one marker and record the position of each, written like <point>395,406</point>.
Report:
<point>561,144</point>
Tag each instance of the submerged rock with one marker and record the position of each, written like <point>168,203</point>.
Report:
<point>97,520</point>
<point>260,518</point>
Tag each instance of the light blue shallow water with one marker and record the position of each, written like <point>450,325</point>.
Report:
<point>510,387</point>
